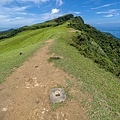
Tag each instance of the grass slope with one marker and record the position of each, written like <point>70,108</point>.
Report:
<point>103,87</point>
<point>26,42</point>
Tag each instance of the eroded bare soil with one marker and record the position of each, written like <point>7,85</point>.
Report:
<point>25,93</point>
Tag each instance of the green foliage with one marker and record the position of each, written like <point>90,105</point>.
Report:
<point>103,49</point>
<point>64,18</point>
<point>55,106</point>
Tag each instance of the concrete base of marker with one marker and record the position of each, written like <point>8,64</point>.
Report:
<point>57,95</point>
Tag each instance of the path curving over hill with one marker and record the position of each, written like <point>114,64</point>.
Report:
<point>25,93</point>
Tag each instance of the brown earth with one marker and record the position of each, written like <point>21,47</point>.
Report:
<point>25,93</point>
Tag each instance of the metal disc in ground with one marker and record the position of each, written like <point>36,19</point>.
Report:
<point>57,95</point>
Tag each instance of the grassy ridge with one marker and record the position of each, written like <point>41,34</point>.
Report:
<point>102,86</point>
<point>10,51</point>
<point>23,39</point>
<point>26,42</point>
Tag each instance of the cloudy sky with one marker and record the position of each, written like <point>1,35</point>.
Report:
<point>16,13</point>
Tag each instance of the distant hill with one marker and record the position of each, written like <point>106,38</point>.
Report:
<point>50,23</point>
<point>53,23</point>
<point>107,33</point>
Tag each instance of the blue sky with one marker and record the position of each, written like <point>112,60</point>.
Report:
<point>17,13</point>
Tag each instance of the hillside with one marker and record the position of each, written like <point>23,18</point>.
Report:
<point>107,33</point>
<point>88,70</point>
<point>102,48</point>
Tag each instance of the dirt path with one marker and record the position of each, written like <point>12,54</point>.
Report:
<point>25,93</point>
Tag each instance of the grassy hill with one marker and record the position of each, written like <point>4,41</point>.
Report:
<point>91,57</point>
<point>102,48</point>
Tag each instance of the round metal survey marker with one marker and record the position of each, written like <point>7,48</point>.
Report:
<point>57,95</point>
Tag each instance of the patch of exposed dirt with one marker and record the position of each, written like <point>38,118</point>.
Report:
<point>73,30</point>
<point>25,93</point>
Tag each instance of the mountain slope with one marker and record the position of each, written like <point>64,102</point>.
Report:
<point>103,49</point>
<point>25,94</point>
<point>99,89</point>
<point>95,88</point>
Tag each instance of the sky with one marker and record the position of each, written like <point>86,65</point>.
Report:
<point>17,13</point>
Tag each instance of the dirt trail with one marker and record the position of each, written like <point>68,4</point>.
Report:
<point>25,93</point>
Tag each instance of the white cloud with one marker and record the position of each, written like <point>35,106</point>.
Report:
<point>92,1</point>
<point>13,22</point>
<point>109,15</point>
<point>59,2</point>
<point>77,12</point>
<point>106,5</point>
<point>2,2</point>
<point>35,1</point>
<point>3,16</point>
<point>48,16</point>
<point>109,11</point>
<point>116,14</point>
<point>54,11</point>
<point>16,8</point>
<point>14,14</point>
<point>13,10</point>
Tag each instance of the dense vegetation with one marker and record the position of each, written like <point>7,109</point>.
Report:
<point>64,18</point>
<point>102,48</point>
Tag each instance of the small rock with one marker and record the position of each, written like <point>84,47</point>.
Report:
<point>27,87</point>
<point>20,53</point>
<point>43,112</point>
<point>34,78</point>
<point>37,101</point>
<point>36,85</point>
<point>56,57</point>
<point>41,118</point>
<point>36,66</point>
<point>4,109</point>
<point>62,114</point>
<point>47,110</point>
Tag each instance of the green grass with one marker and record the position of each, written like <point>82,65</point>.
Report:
<point>10,51</point>
<point>26,42</point>
<point>102,86</point>
<point>55,106</point>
